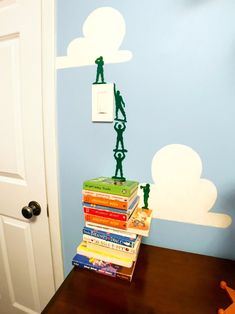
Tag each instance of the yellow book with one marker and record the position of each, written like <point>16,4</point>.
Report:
<point>124,254</point>
<point>104,256</point>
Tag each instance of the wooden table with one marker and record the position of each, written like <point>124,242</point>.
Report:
<point>165,282</point>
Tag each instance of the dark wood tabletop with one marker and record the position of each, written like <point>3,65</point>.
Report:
<point>165,282</point>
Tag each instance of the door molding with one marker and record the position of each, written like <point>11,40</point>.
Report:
<point>50,134</point>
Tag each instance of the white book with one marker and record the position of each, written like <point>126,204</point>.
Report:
<point>90,239</point>
<point>111,230</point>
<point>111,196</point>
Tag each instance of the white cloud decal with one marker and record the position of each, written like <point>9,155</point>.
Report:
<point>179,193</point>
<point>103,30</point>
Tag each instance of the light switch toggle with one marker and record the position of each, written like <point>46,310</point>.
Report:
<point>103,102</point>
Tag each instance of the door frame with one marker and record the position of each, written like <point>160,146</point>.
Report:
<point>50,134</point>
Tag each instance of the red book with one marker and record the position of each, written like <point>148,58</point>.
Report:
<point>106,221</point>
<point>105,213</point>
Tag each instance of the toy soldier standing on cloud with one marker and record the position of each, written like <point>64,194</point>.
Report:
<point>119,105</point>
<point>100,70</point>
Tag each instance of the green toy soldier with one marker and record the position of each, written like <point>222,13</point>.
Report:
<point>146,190</point>
<point>120,128</point>
<point>119,105</point>
<point>100,70</point>
<point>119,156</point>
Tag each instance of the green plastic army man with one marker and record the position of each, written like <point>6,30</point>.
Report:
<point>119,156</point>
<point>146,191</point>
<point>119,105</point>
<point>100,70</point>
<point>120,128</point>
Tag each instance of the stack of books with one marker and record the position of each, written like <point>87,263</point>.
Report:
<point>114,225</point>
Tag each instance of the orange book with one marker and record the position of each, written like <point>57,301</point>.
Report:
<point>104,202</point>
<point>108,200</point>
<point>106,221</point>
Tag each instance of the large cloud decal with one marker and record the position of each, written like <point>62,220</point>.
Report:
<point>103,30</point>
<point>179,193</point>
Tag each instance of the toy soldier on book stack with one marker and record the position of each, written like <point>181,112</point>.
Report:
<point>119,127</point>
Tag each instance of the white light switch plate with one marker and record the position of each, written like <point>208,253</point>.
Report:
<point>102,102</point>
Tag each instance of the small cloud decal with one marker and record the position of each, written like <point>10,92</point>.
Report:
<point>179,193</point>
<point>103,30</point>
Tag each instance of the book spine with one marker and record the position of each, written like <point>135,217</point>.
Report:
<point>108,244</point>
<point>102,272</point>
<point>114,189</point>
<point>112,209</point>
<point>106,221</point>
<point>105,213</point>
<point>105,202</point>
<point>108,196</point>
<point>122,233</point>
<point>106,257</point>
<point>123,276</point>
<point>108,237</point>
<point>93,268</point>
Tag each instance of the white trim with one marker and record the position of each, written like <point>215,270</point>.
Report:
<point>50,134</point>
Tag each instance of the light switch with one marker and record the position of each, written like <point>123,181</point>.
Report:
<point>102,102</point>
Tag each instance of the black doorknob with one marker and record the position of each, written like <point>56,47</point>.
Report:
<point>33,209</point>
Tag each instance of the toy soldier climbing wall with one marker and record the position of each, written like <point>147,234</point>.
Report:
<point>119,106</point>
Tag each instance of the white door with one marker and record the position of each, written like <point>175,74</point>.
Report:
<point>26,273</point>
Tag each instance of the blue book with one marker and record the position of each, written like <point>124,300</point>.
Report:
<point>83,261</point>
<point>112,237</point>
<point>102,267</point>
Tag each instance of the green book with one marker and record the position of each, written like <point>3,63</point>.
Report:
<point>110,186</point>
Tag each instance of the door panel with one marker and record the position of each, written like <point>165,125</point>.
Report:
<point>12,154</point>
<point>19,264</point>
<point>26,273</point>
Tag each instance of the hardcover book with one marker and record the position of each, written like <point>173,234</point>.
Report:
<point>103,268</point>
<point>109,186</point>
<point>110,212</point>
<point>103,221</point>
<point>114,258</point>
<point>93,210</point>
<point>108,200</point>
<point>140,221</point>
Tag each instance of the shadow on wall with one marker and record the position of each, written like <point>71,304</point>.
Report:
<point>229,200</point>
<point>179,193</point>
<point>193,3</point>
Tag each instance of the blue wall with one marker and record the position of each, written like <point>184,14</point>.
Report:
<point>179,87</point>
